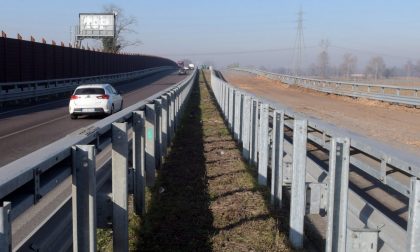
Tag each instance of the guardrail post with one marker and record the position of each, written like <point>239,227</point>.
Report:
<point>5,227</point>
<point>120,186</point>
<point>158,130</point>
<point>226,102</point>
<point>37,184</point>
<point>230,109</point>
<point>254,132</point>
<point>171,115</point>
<point>277,159</point>
<point>164,124</point>
<point>298,201</point>
<point>222,97</point>
<point>138,162</point>
<point>84,198</point>
<point>150,159</point>
<point>413,222</point>
<point>237,117</point>
<point>338,193</point>
<point>246,123</point>
<point>176,108</point>
<point>263,152</point>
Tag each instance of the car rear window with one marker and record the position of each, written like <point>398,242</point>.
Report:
<point>89,91</point>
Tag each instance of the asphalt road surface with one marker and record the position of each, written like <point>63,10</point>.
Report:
<point>27,129</point>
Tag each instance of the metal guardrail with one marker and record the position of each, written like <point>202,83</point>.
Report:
<point>314,158</point>
<point>15,91</point>
<point>387,93</point>
<point>139,137</point>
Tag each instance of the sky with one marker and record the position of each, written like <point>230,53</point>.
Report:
<point>248,32</point>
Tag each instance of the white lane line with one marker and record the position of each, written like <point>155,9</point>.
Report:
<point>33,127</point>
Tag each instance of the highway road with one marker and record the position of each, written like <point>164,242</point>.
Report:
<point>27,129</point>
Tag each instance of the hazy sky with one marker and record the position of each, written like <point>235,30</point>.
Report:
<point>250,32</point>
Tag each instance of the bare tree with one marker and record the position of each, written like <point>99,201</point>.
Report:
<point>349,65</point>
<point>376,67</point>
<point>124,25</point>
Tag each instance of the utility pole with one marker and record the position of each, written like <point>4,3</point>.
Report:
<point>299,45</point>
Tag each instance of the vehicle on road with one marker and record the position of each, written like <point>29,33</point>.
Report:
<point>180,63</point>
<point>182,71</point>
<point>191,66</point>
<point>95,99</point>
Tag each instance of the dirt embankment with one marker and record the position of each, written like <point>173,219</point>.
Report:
<point>395,125</point>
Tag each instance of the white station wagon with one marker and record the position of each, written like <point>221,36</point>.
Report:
<point>95,99</point>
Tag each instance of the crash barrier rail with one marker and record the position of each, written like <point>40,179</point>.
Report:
<point>367,193</point>
<point>408,96</point>
<point>15,91</point>
<point>133,143</point>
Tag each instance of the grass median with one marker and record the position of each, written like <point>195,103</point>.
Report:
<point>206,197</point>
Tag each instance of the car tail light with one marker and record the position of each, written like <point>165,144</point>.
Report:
<point>103,97</point>
<point>74,97</point>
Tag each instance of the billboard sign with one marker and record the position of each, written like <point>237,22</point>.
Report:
<point>94,25</point>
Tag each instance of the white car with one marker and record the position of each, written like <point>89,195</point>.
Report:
<point>95,99</point>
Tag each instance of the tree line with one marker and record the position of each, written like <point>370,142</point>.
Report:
<point>375,69</point>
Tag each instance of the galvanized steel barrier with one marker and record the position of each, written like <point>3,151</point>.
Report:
<point>366,193</point>
<point>127,146</point>
<point>15,91</point>
<point>387,93</point>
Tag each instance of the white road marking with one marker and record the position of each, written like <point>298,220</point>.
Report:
<point>33,127</point>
